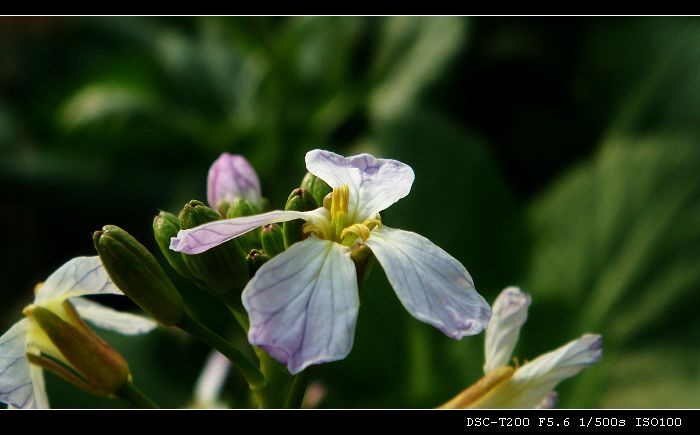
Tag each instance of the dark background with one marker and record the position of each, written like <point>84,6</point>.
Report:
<point>558,154</point>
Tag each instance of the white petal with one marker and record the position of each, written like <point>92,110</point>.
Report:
<point>374,184</point>
<point>432,285</point>
<point>531,383</point>
<point>303,304</point>
<point>41,399</point>
<point>107,318</point>
<point>207,236</point>
<point>15,380</point>
<point>78,277</point>
<point>509,313</point>
<point>211,380</point>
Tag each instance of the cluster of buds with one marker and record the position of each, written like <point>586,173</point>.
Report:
<point>291,277</point>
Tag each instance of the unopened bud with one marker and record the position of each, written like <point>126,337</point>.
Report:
<point>105,371</point>
<point>165,226</point>
<point>222,269</point>
<point>316,187</point>
<point>299,200</point>
<point>137,273</point>
<point>272,239</point>
<point>231,177</point>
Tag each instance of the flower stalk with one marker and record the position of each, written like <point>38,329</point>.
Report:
<point>249,371</point>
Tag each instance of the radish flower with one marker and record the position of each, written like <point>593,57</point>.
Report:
<point>532,384</point>
<point>21,382</point>
<point>303,303</point>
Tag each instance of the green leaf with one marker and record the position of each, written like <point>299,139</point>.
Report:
<point>412,52</point>
<point>615,248</point>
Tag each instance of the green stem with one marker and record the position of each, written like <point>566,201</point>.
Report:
<point>249,371</point>
<point>132,394</point>
<point>297,391</point>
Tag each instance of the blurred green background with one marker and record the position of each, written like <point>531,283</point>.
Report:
<point>558,154</point>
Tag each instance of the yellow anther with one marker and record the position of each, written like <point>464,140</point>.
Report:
<point>340,199</point>
<point>360,230</point>
<point>38,287</point>
<point>339,209</point>
<point>328,201</point>
<point>312,228</point>
<point>371,223</point>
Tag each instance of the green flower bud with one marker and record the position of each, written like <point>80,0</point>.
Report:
<point>222,269</point>
<point>242,207</point>
<point>165,226</point>
<point>104,370</point>
<point>196,213</point>
<point>299,200</point>
<point>137,273</point>
<point>272,239</point>
<point>255,259</point>
<point>316,187</point>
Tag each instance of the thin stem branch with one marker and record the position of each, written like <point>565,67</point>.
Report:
<point>249,371</point>
<point>132,394</point>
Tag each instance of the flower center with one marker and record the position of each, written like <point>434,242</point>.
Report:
<point>339,228</point>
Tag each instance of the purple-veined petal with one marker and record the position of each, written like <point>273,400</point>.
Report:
<point>107,318</point>
<point>374,184</point>
<point>508,314</point>
<point>78,277</point>
<point>431,284</point>
<point>16,387</point>
<point>531,383</point>
<point>209,235</point>
<point>303,304</point>
<point>230,177</point>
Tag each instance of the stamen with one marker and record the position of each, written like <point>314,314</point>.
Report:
<point>339,209</point>
<point>313,228</point>
<point>372,223</point>
<point>360,230</point>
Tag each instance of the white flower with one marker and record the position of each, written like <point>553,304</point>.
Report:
<point>303,303</point>
<point>22,383</point>
<point>530,385</point>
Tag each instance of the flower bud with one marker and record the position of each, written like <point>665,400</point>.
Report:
<point>222,269</point>
<point>165,226</point>
<point>255,259</point>
<point>137,273</point>
<point>272,239</point>
<point>231,177</point>
<point>299,200</point>
<point>241,207</point>
<point>316,187</point>
<point>105,371</point>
